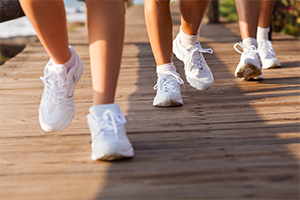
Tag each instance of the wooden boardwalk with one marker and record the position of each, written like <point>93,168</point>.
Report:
<point>238,140</point>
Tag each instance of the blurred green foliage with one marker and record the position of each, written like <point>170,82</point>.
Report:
<point>227,9</point>
<point>3,59</point>
<point>285,19</point>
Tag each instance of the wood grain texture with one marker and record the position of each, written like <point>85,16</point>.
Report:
<point>237,140</point>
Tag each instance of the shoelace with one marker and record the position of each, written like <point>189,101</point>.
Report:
<point>266,48</point>
<point>199,59</point>
<point>161,83</point>
<point>110,121</point>
<point>250,51</point>
<point>54,86</point>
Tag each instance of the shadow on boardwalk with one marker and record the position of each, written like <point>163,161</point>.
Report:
<point>238,140</point>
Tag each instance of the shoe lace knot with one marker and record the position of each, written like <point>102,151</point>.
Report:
<point>249,51</point>
<point>110,121</point>
<point>265,47</point>
<point>196,56</point>
<point>168,81</point>
<point>55,88</point>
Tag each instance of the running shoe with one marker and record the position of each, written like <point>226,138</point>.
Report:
<point>168,90</point>
<point>57,105</point>
<point>197,72</point>
<point>109,138</point>
<point>267,54</point>
<point>250,64</point>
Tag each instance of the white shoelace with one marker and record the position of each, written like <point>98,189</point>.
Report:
<point>250,51</point>
<point>266,48</point>
<point>54,87</point>
<point>198,60</point>
<point>110,121</point>
<point>165,83</point>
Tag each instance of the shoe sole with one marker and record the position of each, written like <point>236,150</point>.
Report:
<point>168,103</point>
<point>248,71</point>
<point>253,79</point>
<point>116,156</point>
<point>45,127</point>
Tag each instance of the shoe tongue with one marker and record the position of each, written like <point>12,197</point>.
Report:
<point>196,54</point>
<point>58,69</point>
<point>97,111</point>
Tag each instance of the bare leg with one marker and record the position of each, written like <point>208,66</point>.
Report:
<point>159,26</point>
<point>266,9</point>
<point>248,13</point>
<point>106,36</point>
<point>192,13</point>
<point>265,47</point>
<point>51,28</point>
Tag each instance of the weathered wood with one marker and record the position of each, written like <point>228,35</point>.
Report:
<point>213,11</point>
<point>237,140</point>
<point>10,9</point>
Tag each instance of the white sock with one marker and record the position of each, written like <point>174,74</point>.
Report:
<point>188,41</point>
<point>69,64</point>
<point>263,33</point>
<point>250,41</point>
<point>160,69</point>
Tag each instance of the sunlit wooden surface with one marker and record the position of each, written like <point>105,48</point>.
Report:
<point>237,140</point>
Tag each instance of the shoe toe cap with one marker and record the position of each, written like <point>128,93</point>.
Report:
<point>270,63</point>
<point>201,83</point>
<point>112,149</point>
<point>55,120</point>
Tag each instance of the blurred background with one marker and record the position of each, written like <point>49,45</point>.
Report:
<point>15,34</point>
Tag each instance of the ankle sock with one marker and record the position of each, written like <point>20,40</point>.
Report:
<point>262,33</point>
<point>160,69</point>
<point>186,40</point>
<point>98,110</point>
<point>250,41</point>
<point>69,64</point>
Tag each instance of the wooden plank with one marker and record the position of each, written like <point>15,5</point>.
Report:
<point>237,140</point>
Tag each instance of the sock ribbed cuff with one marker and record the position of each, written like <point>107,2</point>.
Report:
<point>160,69</point>
<point>250,41</point>
<point>262,33</point>
<point>188,40</point>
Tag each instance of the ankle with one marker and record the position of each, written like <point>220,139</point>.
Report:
<point>69,64</point>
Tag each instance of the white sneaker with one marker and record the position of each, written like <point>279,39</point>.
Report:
<point>109,139</point>
<point>267,54</point>
<point>197,72</point>
<point>57,104</point>
<point>250,64</point>
<point>168,90</point>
